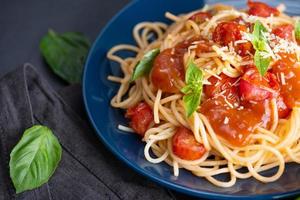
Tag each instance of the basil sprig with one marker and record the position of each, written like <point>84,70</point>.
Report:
<point>297,30</point>
<point>193,88</point>
<point>34,159</point>
<point>65,54</point>
<point>144,66</point>
<point>261,46</point>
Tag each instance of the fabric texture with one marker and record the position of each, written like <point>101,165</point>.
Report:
<point>87,169</point>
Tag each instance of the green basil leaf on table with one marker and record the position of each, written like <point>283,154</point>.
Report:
<point>34,159</point>
<point>65,54</point>
<point>193,88</point>
<point>144,66</point>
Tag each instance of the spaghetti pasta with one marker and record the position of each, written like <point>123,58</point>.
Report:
<point>259,131</point>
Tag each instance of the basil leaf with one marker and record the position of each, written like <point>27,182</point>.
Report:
<point>34,159</point>
<point>186,89</point>
<point>193,88</point>
<point>297,30</point>
<point>144,66</point>
<point>259,41</point>
<point>191,102</point>
<point>193,74</point>
<point>65,54</point>
<point>258,30</point>
<point>260,44</point>
<point>261,63</point>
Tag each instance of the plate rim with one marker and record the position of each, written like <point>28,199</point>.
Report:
<point>140,171</point>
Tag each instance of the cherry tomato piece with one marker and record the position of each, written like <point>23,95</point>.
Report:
<point>218,85</point>
<point>141,116</point>
<point>261,9</point>
<point>284,31</point>
<point>200,17</point>
<point>168,67</point>
<point>167,70</point>
<point>185,146</point>
<point>254,87</point>
<point>227,32</point>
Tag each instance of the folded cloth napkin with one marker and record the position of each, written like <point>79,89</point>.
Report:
<point>87,170</point>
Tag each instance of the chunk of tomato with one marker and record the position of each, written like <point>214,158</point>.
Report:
<point>168,67</point>
<point>200,17</point>
<point>167,70</point>
<point>261,9</point>
<point>141,116</point>
<point>227,32</point>
<point>254,87</point>
<point>218,85</point>
<point>185,146</point>
<point>284,31</point>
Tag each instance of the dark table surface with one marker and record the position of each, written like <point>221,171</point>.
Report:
<point>24,23</point>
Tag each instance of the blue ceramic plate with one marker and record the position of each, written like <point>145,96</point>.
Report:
<point>98,91</point>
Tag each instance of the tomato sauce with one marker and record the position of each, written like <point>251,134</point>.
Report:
<point>235,124</point>
<point>235,107</point>
<point>234,119</point>
<point>290,70</point>
<point>168,68</point>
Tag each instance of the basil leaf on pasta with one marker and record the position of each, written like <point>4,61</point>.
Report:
<point>191,102</point>
<point>34,159</point>
<point>259,39</point>
<point>193,88</point>
<point>260,44</point>
<point>144,66</point>
<point>261,63</point>
<point>297,30</point>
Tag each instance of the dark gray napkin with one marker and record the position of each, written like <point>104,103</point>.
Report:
<point>87,170</point>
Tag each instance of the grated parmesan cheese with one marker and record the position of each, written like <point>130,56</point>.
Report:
<point>282,78</point>
<point>240,108</point>
<point>228,103</point>
<point>276,45</point>
<point>240,42</point>
<point>226,120</point>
